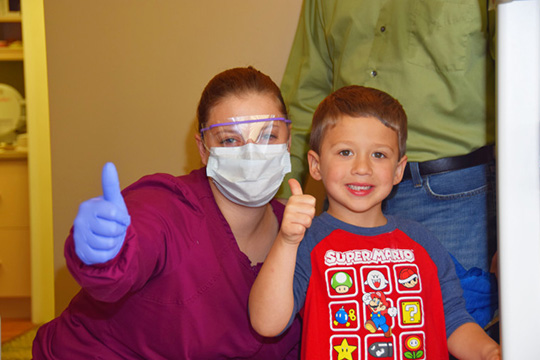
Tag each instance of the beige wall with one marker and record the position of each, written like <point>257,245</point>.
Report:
<point>124,81</point>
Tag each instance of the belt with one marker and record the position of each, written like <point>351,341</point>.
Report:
<point>478,157</point>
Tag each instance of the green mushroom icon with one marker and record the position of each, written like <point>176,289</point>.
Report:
<point>341,282</point>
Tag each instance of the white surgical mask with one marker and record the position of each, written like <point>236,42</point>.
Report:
<point>251,174</point>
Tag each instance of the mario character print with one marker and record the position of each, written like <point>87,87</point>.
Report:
<point>380,307</point>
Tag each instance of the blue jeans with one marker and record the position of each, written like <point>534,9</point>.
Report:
<point>457,206</point>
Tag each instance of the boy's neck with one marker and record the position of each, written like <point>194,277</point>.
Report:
<point>369,219</point>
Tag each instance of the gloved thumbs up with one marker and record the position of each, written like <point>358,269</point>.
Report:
<point>111,187</point>
<point>100,227</point>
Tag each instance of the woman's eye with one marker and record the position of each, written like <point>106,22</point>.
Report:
<point>378,155</point>
<point>229,142</point>
<point>267,136</point>
<point>345,153</point>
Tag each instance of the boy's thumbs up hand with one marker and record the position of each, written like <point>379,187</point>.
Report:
<point>100,227</point>
<point>298,214</point>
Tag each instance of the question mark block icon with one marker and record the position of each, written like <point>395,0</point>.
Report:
<point>412,312</point>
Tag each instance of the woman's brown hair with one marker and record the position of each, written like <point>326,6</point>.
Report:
<point>237,82</point>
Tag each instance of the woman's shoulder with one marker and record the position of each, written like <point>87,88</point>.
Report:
<point>162,182</point>
<point>161,189</point>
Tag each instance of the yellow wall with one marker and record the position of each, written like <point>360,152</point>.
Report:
<point>124,81</point>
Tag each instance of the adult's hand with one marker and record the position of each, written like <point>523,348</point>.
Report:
<point>100,227</point>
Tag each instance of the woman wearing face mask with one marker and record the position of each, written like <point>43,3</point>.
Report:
<point>166,266</point>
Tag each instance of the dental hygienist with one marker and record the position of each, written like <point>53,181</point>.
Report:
<point>167,264</point>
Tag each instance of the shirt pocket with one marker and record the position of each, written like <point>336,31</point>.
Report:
<point>440,33</point>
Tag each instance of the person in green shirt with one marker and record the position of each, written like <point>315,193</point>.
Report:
<point>437,59</point>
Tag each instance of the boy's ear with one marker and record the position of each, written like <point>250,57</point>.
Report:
<point>202,150</point>
<point>314,165</point>
<point>400,169</point>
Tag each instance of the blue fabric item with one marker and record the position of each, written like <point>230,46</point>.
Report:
<point>479,291</point>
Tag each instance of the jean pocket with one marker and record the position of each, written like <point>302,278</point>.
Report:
<point>440,33</point>
<point>464,183</point>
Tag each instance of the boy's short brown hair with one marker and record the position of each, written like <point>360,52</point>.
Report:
<point>359,101</point>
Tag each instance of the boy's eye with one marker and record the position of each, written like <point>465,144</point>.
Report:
<point>378,155</point>
<point>345,153</point>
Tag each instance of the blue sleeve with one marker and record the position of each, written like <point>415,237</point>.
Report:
<point>455,312</point>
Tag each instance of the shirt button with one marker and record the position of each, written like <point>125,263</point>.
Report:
<point>373,73</point>
<point>383,28</point>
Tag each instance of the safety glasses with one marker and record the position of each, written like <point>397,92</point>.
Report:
<point>238,131</point>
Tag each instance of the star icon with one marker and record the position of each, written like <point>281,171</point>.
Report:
<point>345,350</point>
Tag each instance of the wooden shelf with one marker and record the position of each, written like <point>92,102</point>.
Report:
<point>15,154</point>
<point>10,19</point>
<point>8,54</point>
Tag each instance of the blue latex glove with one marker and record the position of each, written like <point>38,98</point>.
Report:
<point>100,227</point>
<point>480,292</point>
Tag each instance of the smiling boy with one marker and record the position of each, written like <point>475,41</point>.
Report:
<point>358,151</point>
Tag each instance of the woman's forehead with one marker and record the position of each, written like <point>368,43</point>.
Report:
<point>234,106</point>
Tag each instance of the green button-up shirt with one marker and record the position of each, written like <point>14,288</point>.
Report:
<point>434,57</point>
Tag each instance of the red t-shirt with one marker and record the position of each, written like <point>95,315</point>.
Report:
<point>373,297</point>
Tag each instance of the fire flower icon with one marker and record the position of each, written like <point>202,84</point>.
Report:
<point>413,344</point>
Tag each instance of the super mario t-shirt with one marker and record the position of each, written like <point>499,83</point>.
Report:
<point>374,293</point>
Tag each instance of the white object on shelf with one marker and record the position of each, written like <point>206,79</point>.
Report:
<point>11,112</point>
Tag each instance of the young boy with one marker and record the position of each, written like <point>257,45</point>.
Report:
<point>370,286</point>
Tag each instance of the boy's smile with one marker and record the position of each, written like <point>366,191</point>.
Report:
<point>360,190</point>
<point>358,164</point>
